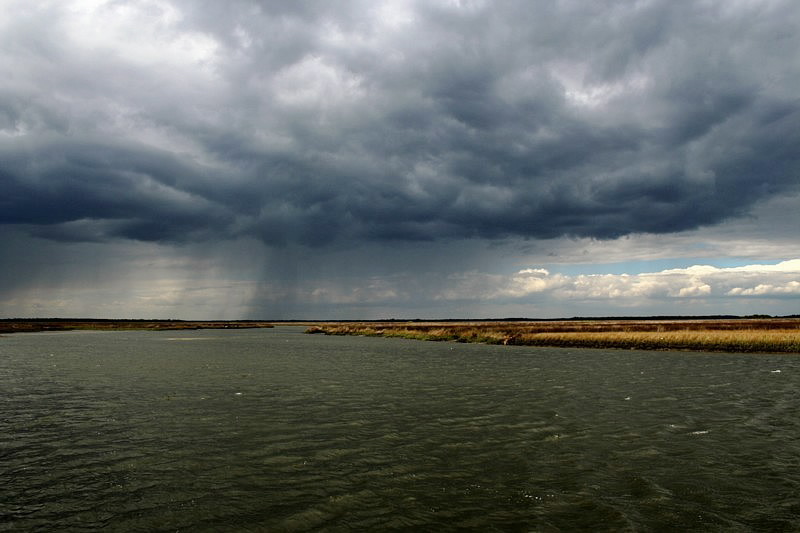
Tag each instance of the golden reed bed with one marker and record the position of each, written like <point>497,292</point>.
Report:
<point>722,335</point>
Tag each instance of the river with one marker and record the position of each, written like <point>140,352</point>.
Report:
<point>276,430</point>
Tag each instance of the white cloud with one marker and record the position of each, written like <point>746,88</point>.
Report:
<point>698,289</point>
<point>697,281</point>
<point>765,289</point>
<point>482,286</point>
<point>144,33</point>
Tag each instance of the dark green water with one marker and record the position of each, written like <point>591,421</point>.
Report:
<point>274,430</point>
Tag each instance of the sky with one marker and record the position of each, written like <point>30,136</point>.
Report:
<point>372,159</point>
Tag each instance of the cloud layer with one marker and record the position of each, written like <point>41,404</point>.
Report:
<point>310,123</point>
<point>699,281</point>
<point>247,280</point>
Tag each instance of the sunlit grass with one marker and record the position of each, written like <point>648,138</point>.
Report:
<point>760,335</point>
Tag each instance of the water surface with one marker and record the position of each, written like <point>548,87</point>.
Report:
<point>280,431</point>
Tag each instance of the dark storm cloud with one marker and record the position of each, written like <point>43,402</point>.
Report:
<point>314,122</point>
<point>129,191</point>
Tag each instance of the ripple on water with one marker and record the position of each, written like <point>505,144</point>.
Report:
<point>249,431</point>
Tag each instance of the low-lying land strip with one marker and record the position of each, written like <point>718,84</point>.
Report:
<point>724,335</point>
<point>58,324</point>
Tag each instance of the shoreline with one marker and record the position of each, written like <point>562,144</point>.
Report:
<point>8,326</point>
<point>739,335</point>
<point>777,335</point>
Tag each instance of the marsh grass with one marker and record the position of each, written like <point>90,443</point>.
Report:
<point>743,335</point>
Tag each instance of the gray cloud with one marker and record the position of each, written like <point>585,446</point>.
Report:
<point>312,123</point>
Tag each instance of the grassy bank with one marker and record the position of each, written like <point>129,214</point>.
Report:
<point>36,325</point>
<point>739,335</point>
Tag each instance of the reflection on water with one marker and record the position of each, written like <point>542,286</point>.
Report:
<point>277,430</point>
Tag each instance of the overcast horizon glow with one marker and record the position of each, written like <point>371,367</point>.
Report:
<point>406,159</point>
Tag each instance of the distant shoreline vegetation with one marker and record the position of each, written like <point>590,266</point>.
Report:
<point>730,334</point>
<point>754,334</point>
<point>33,325</point>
